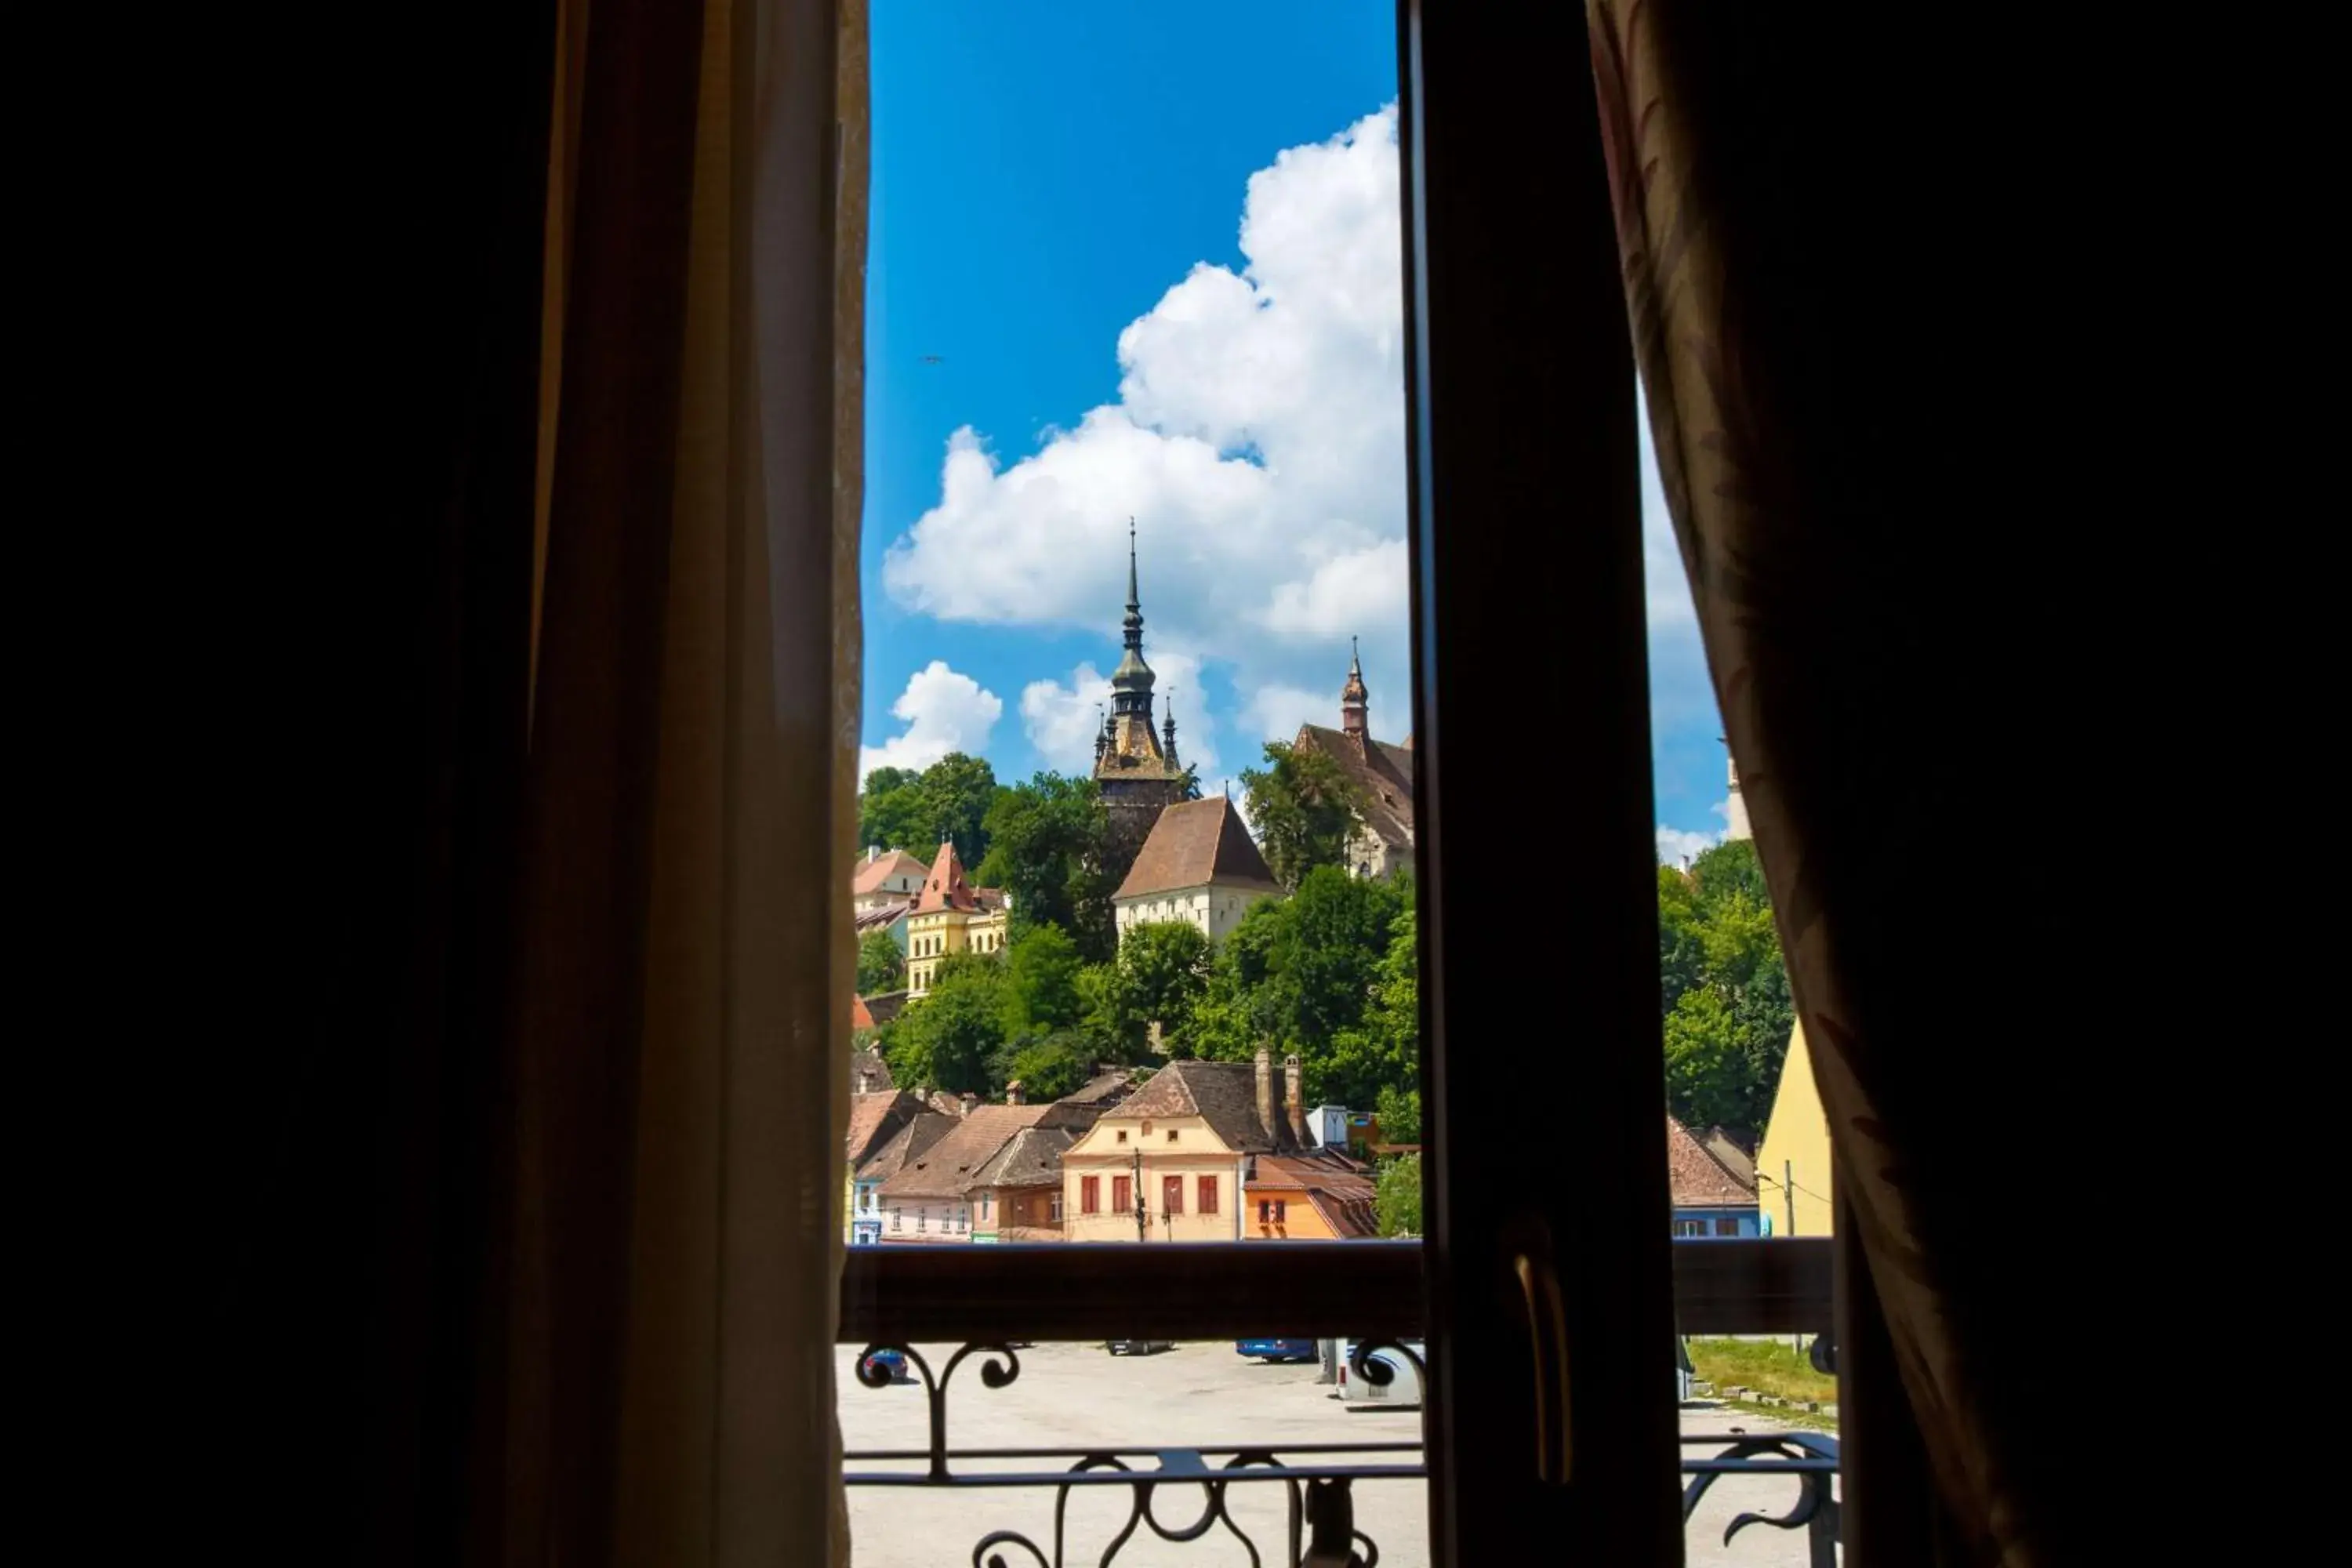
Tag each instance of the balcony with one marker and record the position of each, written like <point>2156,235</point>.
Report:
<point>994,1450</point>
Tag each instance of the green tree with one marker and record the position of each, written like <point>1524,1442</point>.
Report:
<point>1381,1053</point>
<point>1163,973</point>
<point>1398,1111</point>
<point>1396,1195</point>
<point>909,811</point>
<point>953,1038</point>
<point>1048,847</point>
<point>1305,810</point>
<point>1041,981</point>
<point>880,966</point>
<point>1049,1067</point>
<point>1723,989</point>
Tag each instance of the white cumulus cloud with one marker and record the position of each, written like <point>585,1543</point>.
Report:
<point>1675,844</point>
<point>1258,441</point>
<point>944,712</point>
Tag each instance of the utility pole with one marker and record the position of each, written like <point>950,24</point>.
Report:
<point>1142,1220</point>
<point>1789,1191</point>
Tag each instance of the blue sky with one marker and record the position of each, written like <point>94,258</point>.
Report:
<point>1128,260</point>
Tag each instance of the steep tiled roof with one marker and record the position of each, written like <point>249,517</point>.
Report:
<point>867,1071</point>
<point>872,874</point>
<point>1031,1157</point>
<point>945,887</point>
<point>1382,773</point>
<point>874,1119</point>
<point>945,1169</point>
<point>1337,1188</point>
<point>1223,1094</point>
<point>860,1018</point>
<point>922,1129</point>
<point>1730,1155</point>
<point>1697,1178</point>
<point>1194,844</point>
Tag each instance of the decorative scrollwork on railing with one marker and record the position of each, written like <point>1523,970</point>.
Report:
<point>1813,1465</point>
<point>875,1373</point>
<point>1320,1503</point>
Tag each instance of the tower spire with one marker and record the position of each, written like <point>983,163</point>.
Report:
<point>1168,732</point>
<point>1130,683</point>
<point>1353,699</point>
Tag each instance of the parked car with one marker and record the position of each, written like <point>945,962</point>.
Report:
<point>1277,1350</point>
<point>1401,1392</point>
<point>887,1360</point>
<point>1140,1347</point>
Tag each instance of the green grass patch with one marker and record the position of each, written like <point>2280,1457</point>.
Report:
<point>1766,1366</point>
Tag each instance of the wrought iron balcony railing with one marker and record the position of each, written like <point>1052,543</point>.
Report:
<point>989,1301</point>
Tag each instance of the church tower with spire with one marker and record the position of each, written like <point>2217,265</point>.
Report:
<point>1135,766</point>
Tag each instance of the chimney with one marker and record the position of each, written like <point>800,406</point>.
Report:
<point>969,1100</point>
<point>1265,1116</point>
<point>864,1080</point>
<point>1296,1098</point>
<point>873,853</point>
<point>1013,1092</point>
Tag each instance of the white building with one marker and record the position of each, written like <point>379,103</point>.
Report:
<point>1198,865</point>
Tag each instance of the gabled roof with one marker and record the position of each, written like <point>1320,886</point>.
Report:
<point>1381,772</point>
<point>872,874</point>
<point>860,1018</point>
<point>867,1071</point>
<point>945,1169</point>
<point>1730,1155</point>
<point>945,887</point>
<point>1697,1179</point>
<point>1197,843</point>
<point>1223,1094</point>
<point>1030,1158</point>
<point>884,917</point>
<point>874,1119</point>
<point>1334,1186</point>
<point>922,1129</point>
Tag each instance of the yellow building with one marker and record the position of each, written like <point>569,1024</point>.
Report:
<point>1193,1155</point>
<point>949,916</point>
<point>1792,1163</point>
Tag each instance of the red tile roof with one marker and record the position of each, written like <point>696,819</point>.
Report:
<point>1223,1094</point>
<point>874,1119</point>
<point>922,1129</point>
<point>872,874</point>
<point>945,887</point>
<point>1383,774</point>
<point>1196,844</point>
<point>945,1169</point>
<point>860,1018</point>
<point>1697,1179</point>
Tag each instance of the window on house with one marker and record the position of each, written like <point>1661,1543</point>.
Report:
<point>1090,1195</point>
<point>1265,1211</point>
<point>1055,1203</point>
<point>1122,1193</point>
<point>1690,1228</point>
<point>1208,1195</point>
<point>1726,1227</point>
<point>923,1219</point>
<point>1122,1137</point>
<point>1280,1213</point>
<point>987,1204</point>
<point>1171,1195</point>
<point>898,1219</point>
<point>1171,1135</point>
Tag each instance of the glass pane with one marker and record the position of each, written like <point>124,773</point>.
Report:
<point>1135,897</point>
<point>1748,1144</point>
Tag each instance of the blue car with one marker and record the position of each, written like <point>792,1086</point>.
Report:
<point>1277,1350</point>
<point>889,1361</point>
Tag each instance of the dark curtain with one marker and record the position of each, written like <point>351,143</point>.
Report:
<point>1851,246</point>
<point>525,1247</point>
